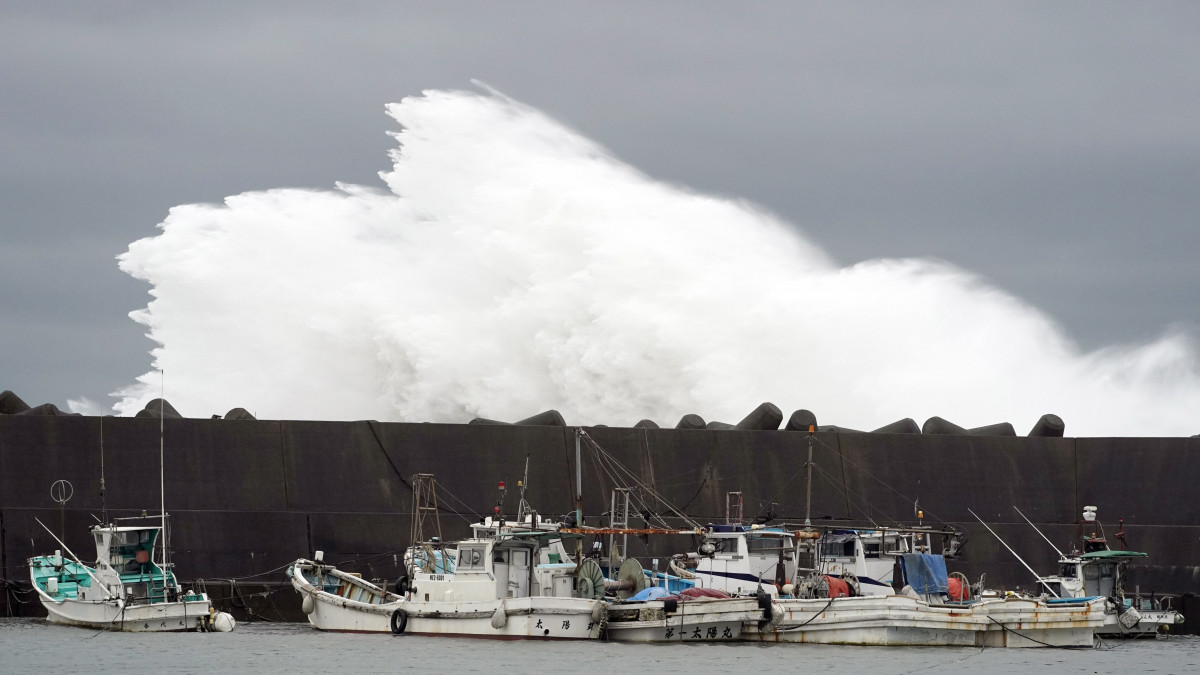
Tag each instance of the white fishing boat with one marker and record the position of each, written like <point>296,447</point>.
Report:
<point>1094,569</point>
<point>510,583</point>
<point>743,559</point>
<point>689,616</point>
<point>128,588</point>
<point>132,585</point>
<point>835,612</point>
<point>512,579</point>
<point>898,620</point>
<point>341,601</point>
<point>637,611</point>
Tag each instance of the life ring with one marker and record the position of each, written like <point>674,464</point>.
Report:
<point>402,585</point>
<point>399,622</point>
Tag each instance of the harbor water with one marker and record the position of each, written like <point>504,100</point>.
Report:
<point>33,645</point>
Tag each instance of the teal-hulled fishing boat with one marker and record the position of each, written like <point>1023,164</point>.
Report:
<point>128,588</point>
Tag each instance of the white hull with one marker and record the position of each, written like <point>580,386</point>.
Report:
<point>113,615</point>
<point>360,608</point>
<point>329,614</point>
<point>692,621</point>
<point>364,608</point>
<point>1152,622</point>
<point>537,617</point>
<point>898,620</point>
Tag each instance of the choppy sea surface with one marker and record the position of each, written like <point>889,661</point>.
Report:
<point>33,645</point>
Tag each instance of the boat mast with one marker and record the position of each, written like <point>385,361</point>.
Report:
<point>103,503</point>
<point>162,491</point>
<point>578,497</point>
<point>812,428</point>
<point>523,507</point>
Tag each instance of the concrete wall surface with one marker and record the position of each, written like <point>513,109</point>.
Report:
<point>246,497</point>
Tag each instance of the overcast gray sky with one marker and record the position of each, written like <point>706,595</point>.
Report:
<point>1051,147</point>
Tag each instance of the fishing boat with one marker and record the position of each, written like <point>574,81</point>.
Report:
<point>653,607</point>
<point>824,609</point>
<point>511,579</point>
<point>1093,568</point>
<point>132,585</point>
<point>640,613</point>
<point>338,600</point>
<point>334,600</point>
<point>742,559</point>
<point>128,588</point>
<point>515,583</point>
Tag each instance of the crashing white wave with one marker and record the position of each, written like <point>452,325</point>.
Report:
<point>514,266</point>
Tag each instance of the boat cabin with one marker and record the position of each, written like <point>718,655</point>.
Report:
<point>743,559</point>
<point>1100,572</point>
<point>870,556</point>
<point>512,565</point>
<point>126,563</point>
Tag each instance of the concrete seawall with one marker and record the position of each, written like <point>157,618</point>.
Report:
<point>247,496</point>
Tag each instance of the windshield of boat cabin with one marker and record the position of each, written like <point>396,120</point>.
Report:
<point>470,559</point>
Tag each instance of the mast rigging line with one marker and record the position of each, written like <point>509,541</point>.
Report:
<point>461,514</point>
<point>929,514</point>
<point>620,473</point>
<point>605,468</point>
<point>851,497</point>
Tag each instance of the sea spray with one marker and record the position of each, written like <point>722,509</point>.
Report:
<point>514,266</point>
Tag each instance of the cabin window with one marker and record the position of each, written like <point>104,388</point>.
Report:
<point>1067,570</point>
<point>762,545</point>
<point>872,549</point>
<point>838,549</point>
<point>726,545</point>
<point>470,558</point>
<point>1053,588</point>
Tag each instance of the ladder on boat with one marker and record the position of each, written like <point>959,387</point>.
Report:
<point>425,508</point>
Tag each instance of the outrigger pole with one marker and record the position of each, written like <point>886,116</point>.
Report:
<point>1035,529</point>
<point>77,560</point>
<point>1035,574</point>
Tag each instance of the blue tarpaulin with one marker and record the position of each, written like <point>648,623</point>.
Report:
<point>652,593</point>
<point>925,572</point>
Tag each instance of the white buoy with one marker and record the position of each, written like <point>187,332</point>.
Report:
<point>223,622</point>
<point>306,605</point>
<point>52,585</point>
<point>500,618</point>
<point>777,614</point>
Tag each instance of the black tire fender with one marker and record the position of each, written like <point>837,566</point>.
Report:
<point>764,600</point>
<point>764,603</point>
<point>402,585</point>
<point>399,622</point>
